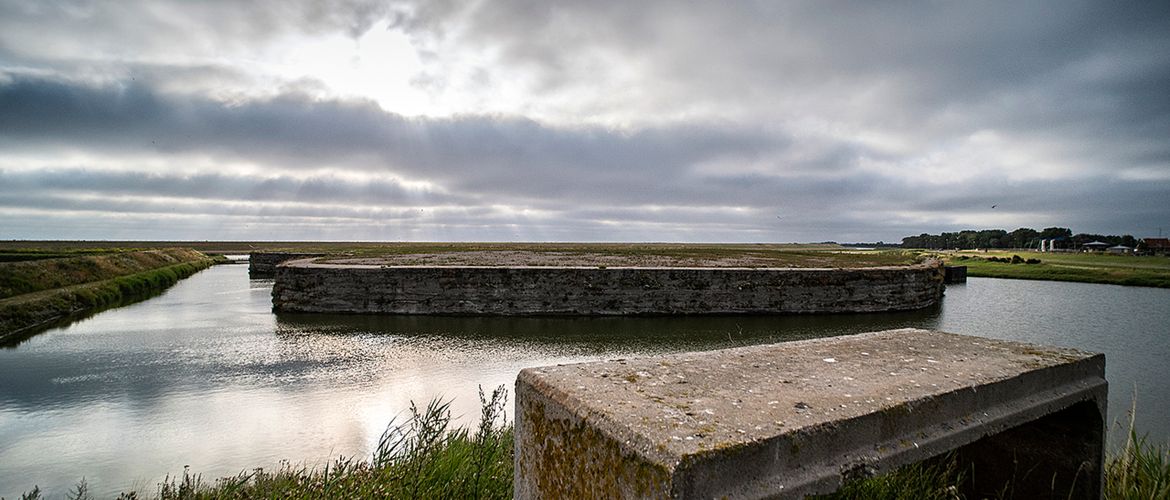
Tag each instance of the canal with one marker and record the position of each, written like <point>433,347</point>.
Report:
<point>205,376</point>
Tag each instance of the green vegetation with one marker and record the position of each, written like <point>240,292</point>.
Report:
<point>937,480</point>
<point>1140,470</point>
<point>40,292</point>
<point>378,248</point>
<point>1128,270</point>
<point>1061,237</point>
<point>29,276</point>
<point>757,255</point>
<point>422,457</point>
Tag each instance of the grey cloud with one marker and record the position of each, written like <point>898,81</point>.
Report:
<point>272,213</point>
<point>134,27</point>
<point>928,71</point>
<point>779,93</point>
<point>580,177</point>
<point>479,154</point>
<point>222,187</point>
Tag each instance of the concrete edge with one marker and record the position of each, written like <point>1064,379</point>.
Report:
<point>311,263</point>
<point>1084,382</point>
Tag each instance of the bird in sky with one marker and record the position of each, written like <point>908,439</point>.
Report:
<point>993,206</point>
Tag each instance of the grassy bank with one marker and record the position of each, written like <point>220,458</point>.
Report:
<point>374,247</point>
<point>55,289</point>
<point>1086,268</point>
<point>29,276</point>
<point>422,457</point>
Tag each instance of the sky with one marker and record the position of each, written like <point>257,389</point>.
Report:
<point>589,120</point>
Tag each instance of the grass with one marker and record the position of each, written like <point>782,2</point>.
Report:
<point>1147,271</point>
<point>24,313</point>
<point>936,480</point>
<point>1140,470</point>
<point>776,255</point>
<point>28,276</point>
<point>422,457</point>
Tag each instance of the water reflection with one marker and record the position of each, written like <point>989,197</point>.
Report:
<point>559,336</point>
<point>205,375</point>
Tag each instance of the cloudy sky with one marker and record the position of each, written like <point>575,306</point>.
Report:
<point>590,120</point>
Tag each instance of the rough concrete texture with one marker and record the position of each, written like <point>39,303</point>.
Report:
<point>307,286</point>
<point>263,264</point>
<point>955,274</point>
<point>792,419</point>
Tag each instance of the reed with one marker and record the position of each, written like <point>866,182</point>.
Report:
<point>1140,470</point>
<point>423,457</point>
<point>419,457</point>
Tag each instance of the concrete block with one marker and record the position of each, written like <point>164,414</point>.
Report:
<point>263,264</point>
<point>798,418</point>
<point>307,286</point>
<point>954,274</point>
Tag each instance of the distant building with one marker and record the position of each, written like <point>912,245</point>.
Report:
<point>1120,250</point>
<point>1157,246</point>
<point>1095,246</point>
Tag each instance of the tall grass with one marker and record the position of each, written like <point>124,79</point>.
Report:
<point>419,457</point>
<point>1140,470</point>
<point>932,480</point>
<point>30,276</point>
<point>423,457</point>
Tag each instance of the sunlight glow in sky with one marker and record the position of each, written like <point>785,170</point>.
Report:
<point>580,121</point>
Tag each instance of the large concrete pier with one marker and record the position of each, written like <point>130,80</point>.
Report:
<point>799,418</point>
<point>263,264</point>
<point>308,286</point>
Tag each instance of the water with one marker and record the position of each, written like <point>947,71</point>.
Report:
<point>206,376</point>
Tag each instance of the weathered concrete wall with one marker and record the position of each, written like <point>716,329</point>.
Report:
<point>800,418</point>
<point>955,274</point>
<point>303,286</point>
<point>263,264</point>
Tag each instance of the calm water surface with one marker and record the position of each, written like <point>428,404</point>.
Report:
<point>206,376</point>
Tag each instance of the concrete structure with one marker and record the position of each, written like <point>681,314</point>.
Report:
<point>1095,246</point>
<point>263,264</point>
<point>799,418</point>
<point>1157,246</point>
<point>305,286</point>
<point>955,274</point>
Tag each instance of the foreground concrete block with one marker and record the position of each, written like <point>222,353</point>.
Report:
<point>799,418</point>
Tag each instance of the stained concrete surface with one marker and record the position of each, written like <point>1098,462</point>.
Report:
<point>307,286</point>
<point>795,418</point>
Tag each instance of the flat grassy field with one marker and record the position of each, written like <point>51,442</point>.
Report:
<point>1151,271</point>
<point>693,254</point>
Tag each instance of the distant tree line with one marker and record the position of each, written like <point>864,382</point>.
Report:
<point>1023,237</point>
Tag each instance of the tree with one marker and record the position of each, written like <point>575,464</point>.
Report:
<point>1056,233</point>
<point>1024,237</point>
